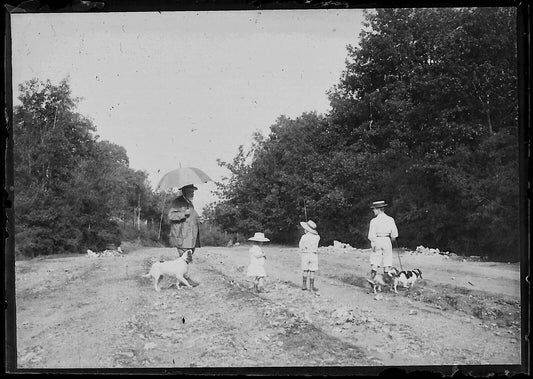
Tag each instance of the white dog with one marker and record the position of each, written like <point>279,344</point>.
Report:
<point>378,282</point>
<point>176,268</point>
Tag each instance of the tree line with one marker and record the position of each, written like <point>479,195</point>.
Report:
<point>424,116</point>
<point>73,191</point>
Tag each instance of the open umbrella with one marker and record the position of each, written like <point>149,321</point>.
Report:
<point>181,177</point>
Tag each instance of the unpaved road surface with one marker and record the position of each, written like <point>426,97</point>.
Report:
<point>81,312</point>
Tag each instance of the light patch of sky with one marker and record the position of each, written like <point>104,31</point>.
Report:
<point>186,88</point>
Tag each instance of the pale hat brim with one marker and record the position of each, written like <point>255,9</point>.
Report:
<point>259,239</point>
<point>306,226</point>
<point>378,204</point>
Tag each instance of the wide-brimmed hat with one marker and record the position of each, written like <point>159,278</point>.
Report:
<point>310,226</point>
<point>192,186</point>
<point>378,204</point>
<point>259,237</point>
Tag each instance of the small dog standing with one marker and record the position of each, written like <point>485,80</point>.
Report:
<point>176,268</point>
<point>381,280</point>
<point>406,279</point>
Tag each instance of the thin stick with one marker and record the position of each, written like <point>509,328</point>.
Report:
<point>161,221</point>
<point>398,251</point>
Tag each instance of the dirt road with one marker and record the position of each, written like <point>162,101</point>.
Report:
<point>81,312</point>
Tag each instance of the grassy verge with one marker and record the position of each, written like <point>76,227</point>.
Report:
<point>502,311</point>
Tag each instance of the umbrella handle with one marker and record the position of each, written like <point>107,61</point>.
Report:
<point>161,220</point>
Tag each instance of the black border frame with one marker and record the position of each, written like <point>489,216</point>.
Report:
<point>524,77</point>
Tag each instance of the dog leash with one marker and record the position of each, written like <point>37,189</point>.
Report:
<point>398,251</point>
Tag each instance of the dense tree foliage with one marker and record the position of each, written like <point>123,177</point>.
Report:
<point>277,182</point>
<point>72,191</point>
<point>424,117</point>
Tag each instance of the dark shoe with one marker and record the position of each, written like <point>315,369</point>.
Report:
<point>192,282</point>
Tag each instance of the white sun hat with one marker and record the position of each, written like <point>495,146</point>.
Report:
<point>310,226</point>
<point>259,237</point>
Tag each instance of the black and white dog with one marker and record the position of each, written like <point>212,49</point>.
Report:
<point>405,279</point>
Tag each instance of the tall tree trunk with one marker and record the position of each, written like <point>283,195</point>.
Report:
<point>29,163</point>
<point>487,112</point>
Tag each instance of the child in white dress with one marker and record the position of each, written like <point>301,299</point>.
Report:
<point>256,268</point>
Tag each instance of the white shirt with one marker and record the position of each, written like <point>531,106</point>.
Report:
<point>256,252</point>
<point>309,243</point>
<point>382,225</point>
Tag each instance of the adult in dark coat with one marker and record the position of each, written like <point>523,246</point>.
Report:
<point>185,225</point>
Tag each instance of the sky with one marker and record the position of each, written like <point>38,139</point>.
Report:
<point>187,88</point>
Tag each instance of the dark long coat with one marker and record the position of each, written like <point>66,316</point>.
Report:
<point>184,224</point>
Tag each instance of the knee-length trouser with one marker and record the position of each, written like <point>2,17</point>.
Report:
<point>381,255</point>
<point>309,262</point>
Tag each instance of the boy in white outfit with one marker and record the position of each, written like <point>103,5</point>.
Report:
<point>309,249</point>
<point>381,233</point>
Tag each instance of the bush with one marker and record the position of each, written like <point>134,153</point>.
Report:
<point>145,235</point>
<point>30,243</point>
<point>101,236</point>
<point>212,236</point>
